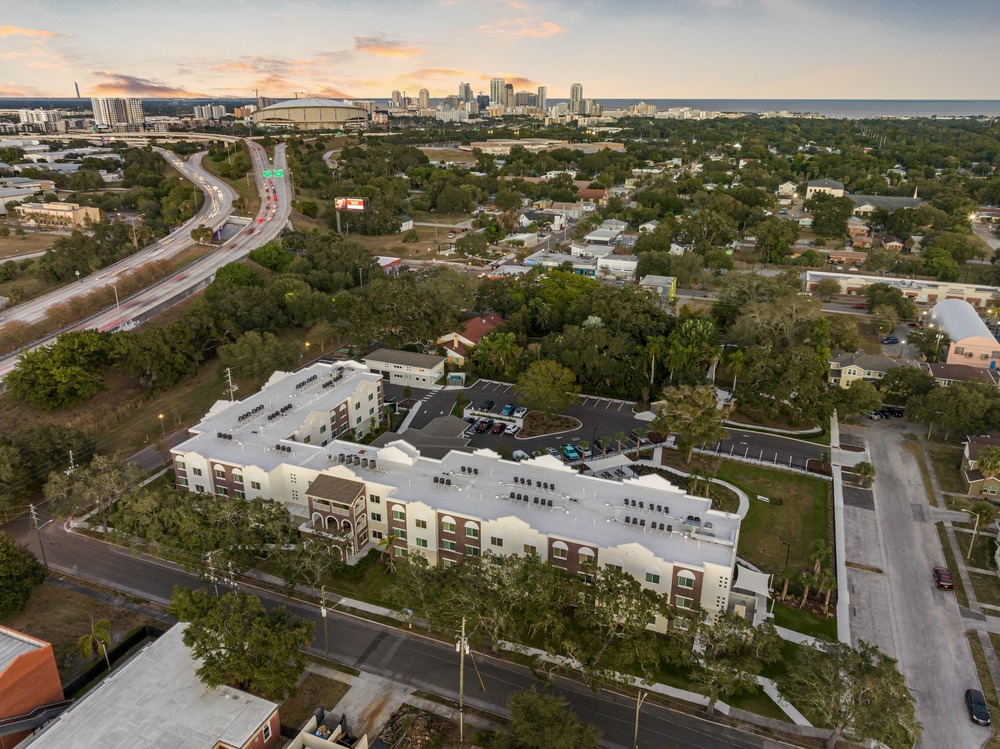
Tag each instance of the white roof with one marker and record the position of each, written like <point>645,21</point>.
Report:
<point>156,700</point>
<point>13,644</point>
<point>310,102</point>
<point>959,320</point>
<point>752,581</point>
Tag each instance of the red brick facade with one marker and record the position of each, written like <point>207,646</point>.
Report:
<point>30,680</point>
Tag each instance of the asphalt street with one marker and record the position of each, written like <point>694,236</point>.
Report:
<point>407,657</point>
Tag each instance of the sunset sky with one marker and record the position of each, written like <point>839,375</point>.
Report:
<point>809,49</point>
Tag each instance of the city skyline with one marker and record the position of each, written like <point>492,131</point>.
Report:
<point>782,49</point>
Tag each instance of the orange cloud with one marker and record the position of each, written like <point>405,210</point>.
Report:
<point>438,73</point>
<point>381,46</point>
<point>121,84</point>
<point>524,28</point>
<point>234,67</point>
<point>21,31</point>
<point>13,92</point>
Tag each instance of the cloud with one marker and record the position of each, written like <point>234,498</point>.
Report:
<point>234,67</point>
<point>21,31</point>
<point>122,84</point>
<point>523,28</point>
<point>382,46</point>
<point>13,92</point>
<point>438,73</point>
<point>517,81</point>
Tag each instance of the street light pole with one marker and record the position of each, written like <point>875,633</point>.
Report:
<point>640,697</point>
<point>38,533</point>
<point>462,646</point>
<point>322,611</point>
<point>163,427</point>
<point>117,305</point>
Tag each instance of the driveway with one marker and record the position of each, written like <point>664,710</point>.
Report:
<point>900,609</point>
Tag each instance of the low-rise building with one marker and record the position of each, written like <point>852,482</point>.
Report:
<point>865,205</point>
<point>787,189</point>
<point>846,369</point>
<point>391,266</point>
<point>618,266</point>
<point>977,482</point>
<point>406,367</point>
<point>458,342</point>
<point>972,343</point>
<point>920,291</point>
<point>58,214</point>
<point>157,699</point>
<point>824,187</point>
<point>663,287</point>
<point>30,690</point>
<point>948,374</point>
<point>649,226</point>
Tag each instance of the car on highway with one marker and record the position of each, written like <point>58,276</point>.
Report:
<point>508,409</point>
<point>520,412</point>
<point>499,428</point>
<point>260,219</point>
<point>942,578</point>
<point>889,340</point>
<point>975,703</point>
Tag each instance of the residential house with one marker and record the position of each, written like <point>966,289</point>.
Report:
<point>972,343</point>
<point>846,369</point>
<point>824,187</point>
<point>406,367</point>
<point>787,190</point>
<point>948,374</point>
<point>862,242</point>
<point>157,699</point>
<point>405,223</point>
<point>599,197</point>
<point>891,243</point>
<point>806,220</point>
<point>857,227</point>
<point>527,218</point>
<point>648,226</point>
<point>663,287</point>
<point>614,225</point>
<point>976,482</point>
<point>30,690</point>
<point>458,342</point>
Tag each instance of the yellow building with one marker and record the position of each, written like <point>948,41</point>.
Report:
<point>57,214</point>
<point>849,368</point>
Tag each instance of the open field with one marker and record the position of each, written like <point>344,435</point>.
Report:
<point>800,519</point>
<point>314,691</point>
<point>62,616</point>
<point>30,242</point>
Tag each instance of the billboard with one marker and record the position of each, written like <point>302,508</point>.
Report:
<point>350,204</point>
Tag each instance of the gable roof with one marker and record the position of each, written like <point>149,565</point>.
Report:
<point>476,328</point>
<point>870,362</point>
<point>335,489</point>
<point>889,202</point>
<point>960,373</point>
<point>832,183</point>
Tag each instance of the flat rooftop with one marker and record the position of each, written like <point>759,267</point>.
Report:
<point>156,700</point>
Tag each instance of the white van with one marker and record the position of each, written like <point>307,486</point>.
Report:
<point>520,455</point>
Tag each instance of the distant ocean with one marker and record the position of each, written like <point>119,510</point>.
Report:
<point>836,108</point>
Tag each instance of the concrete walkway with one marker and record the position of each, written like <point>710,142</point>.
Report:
<point>657,462</point>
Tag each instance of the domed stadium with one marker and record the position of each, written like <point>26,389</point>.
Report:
<point>312,114</point>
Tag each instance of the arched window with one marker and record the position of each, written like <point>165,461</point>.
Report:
<point>616,563</point>
<point>559,550</point>
<point>685,580</point>
<point>448,524</point>
<point>471,530</point>
<point>586,555</point>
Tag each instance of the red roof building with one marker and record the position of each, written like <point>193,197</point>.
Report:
<point>469,333</point>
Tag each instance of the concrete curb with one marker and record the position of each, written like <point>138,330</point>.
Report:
<point>840,541</point>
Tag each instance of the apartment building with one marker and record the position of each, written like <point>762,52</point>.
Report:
<point>461,505</point>
<point>109,112</point>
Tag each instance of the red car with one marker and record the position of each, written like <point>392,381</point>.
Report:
<point>499,428</point>
<point>942,578</point>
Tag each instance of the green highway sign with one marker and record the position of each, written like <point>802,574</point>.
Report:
<point>266,173</point>
<point>279,172</point>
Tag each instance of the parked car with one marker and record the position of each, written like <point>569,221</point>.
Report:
<point>874,416</point>
<point>570,453</point>
<point>520,455</point>
<point>508,409</point>
<point>513,429</point>
<point>942,578</point>
<point>499,428</point>
<point>889,340</point>
<point>486,406</point>
<point>520,412</point>
<point>484,425</point>
<point>979,712</point>
<point>552,451</point>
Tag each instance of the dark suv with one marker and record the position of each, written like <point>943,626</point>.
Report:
<point>976,703</point>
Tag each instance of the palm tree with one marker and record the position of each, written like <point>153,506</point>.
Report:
<point>656,346</point>
<point>826,582</point>
<point>737,363</point>
<point>820,556</point>
<point>865,471</point>
<point>99,638</point>
<point>988,461</point>
<point>787,573</point>
<point>385,546</point>
<point>809,579</point>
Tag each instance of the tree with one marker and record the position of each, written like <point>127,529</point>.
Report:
<point>473,243</point>
<point>826,288</point>
<point>860,397</point>
<point>102,484</point>
<point>859,693</point>
<point>254,355</point>
<point>20,574</point>
<point>988,461</point>
<point>865,471</point>
<point>774,238</point>
<point>692,412</point>
<point>99,639</point>
<point>542,721</point>
<point>884,319</point>
<point>309,561</point>
<point>902,384</point>
<point>736,363</point>
<point>732,652</point>
<point>202,234</point>
<point>508,200</point>
<point>237,274</point>
<point>241,644</point>
<point>547,386</point>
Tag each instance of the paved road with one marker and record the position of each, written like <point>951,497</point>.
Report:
<point>922,625</point>
<point>769,448</point>
<point>407,657</point>
<point>268,224</point>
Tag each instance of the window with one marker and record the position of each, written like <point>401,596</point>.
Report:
<point>267,732</point>
<point>376,517</point>
<point>400,551</point>
<point>471,551</point>
<point>401,533</point>
<point>529,549</point>
<point>357,406</point>
<point>180,464</point>
<point>182,482</point>
<point>681,623</point>
<point>685,580</point>
<point>558,553</point>
<point>496,541</point>
<point>448,545</point>
<point>371,396</point>
<point>357,421</point>
<point>377,535</point>
<point>199,488</point>
<point>196,471</point>
<point>255,485</point>
<point>371,411</point>
<point>652,577</point>
<point>322,428</point>
<point>422,543</point>
<point>447,527</point>
<point>241,494</point>
<point>398,515</point>
<point>420,523</point>
<point>959,349</point>
<point>449,563</point>
<point>375,498</point>
<point>238,478</point>
<point>222,490</point>
<point>613,566</point>
<point>586,577</point>
<point>683,602</point>
<point>471,531</point>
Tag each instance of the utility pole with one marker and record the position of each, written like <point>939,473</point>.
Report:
<point>322,611</point>
<point>462,646</point>
<point>211,574</point>
<point>639,699</point>
<point>229,379</point>
<point>72,465</point>
<point>967,556</point>
<point>38,533</point>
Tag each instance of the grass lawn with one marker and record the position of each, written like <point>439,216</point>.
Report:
<point>982,550</point>
<point>367,581</point>
<point>945,461</point>
<point>61,616</point>
<point>806,622</point>
<point>30,242</point>
<point>987,588</point>
<point>314,691</point>
<point>248,193</point>
<point>800,519</point>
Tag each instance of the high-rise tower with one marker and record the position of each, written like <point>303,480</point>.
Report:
<point>575,97</point>
<point>543,95</point>
<point>497,91</point>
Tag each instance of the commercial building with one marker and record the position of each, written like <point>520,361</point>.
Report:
<point>465,504</point>
<point>312,114</point>
<point>30,690</point>
<point>575,97</point>
<point>920,291</point>
<point>424,99</point>
<point>111,112</point>
<point>663,287</point>
<point>406,367</point>
<point>542,98</point>
<point>829,187</point>
<point>972,343</point>
<point>157,700</point>
<point>57,214</point>
<point>465,92</point>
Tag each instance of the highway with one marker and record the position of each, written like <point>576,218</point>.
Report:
<point>403,656</point>
<point>267,224</point>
